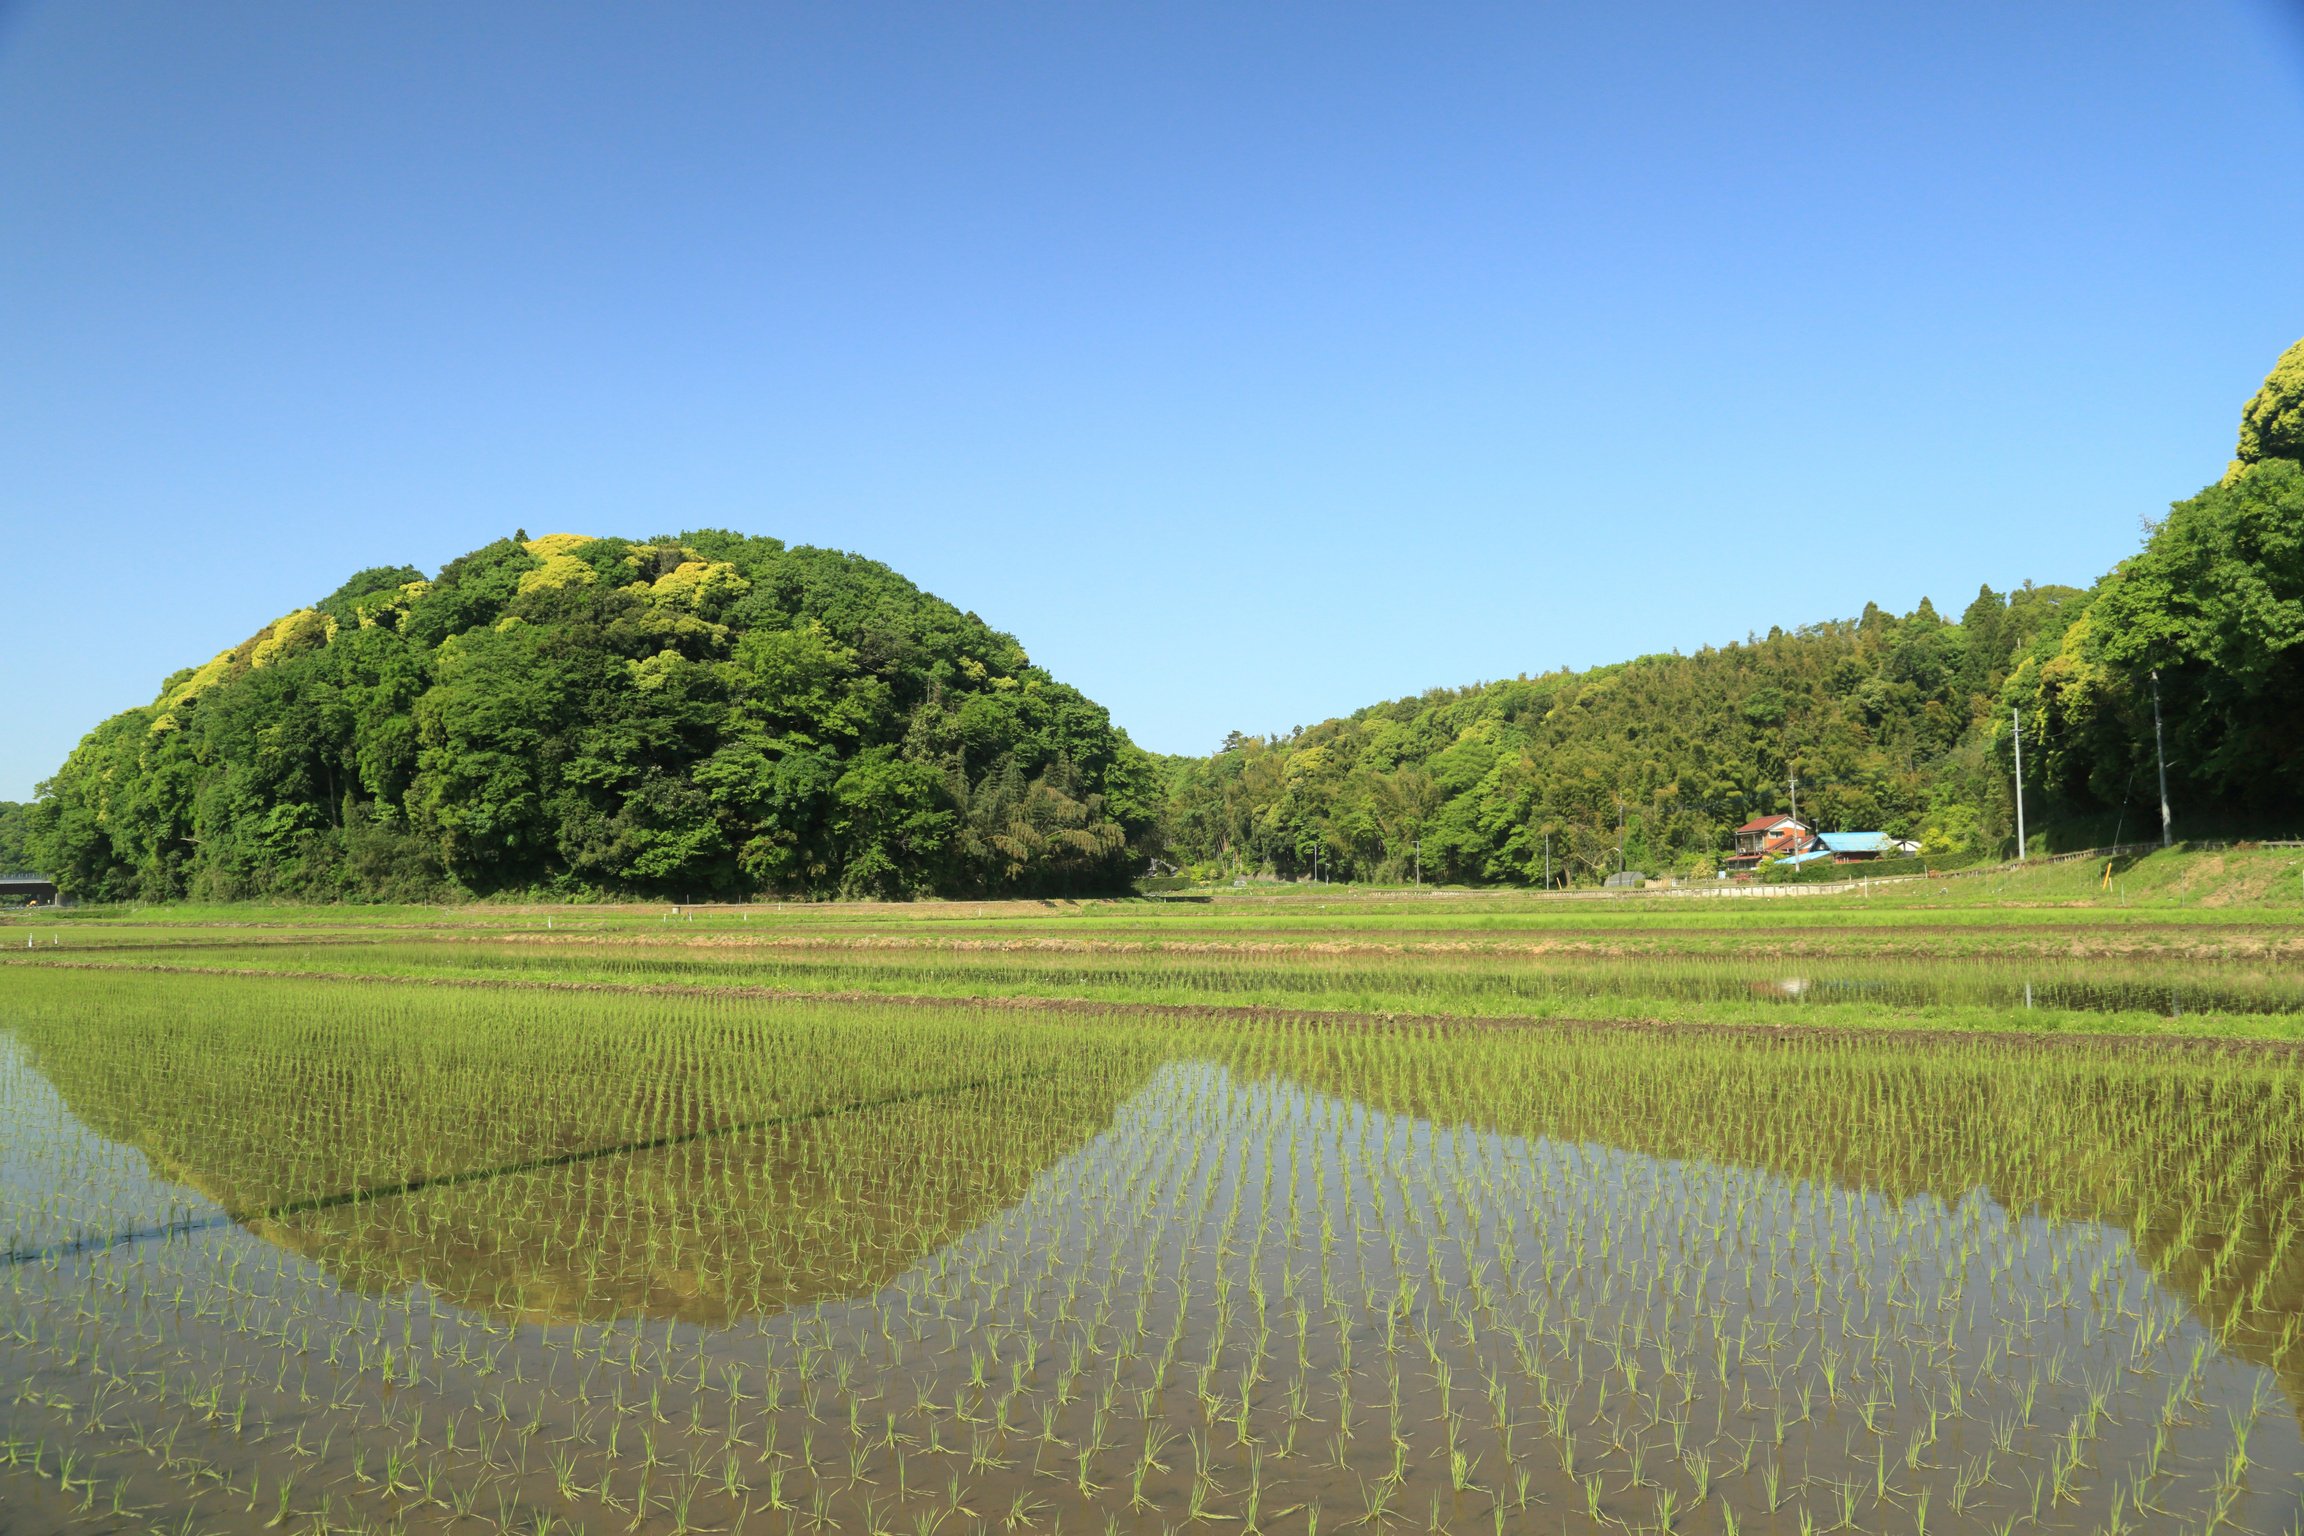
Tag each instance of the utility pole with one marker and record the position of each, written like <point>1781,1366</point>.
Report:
<point>2160,750</point>
<point>1419,861</point>
<point>1619,837</point>
<point>1547,861</point>
<point>1795,812</point>
<point>2016,723</point>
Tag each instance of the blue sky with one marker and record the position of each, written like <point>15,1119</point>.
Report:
<point>1250,363</point>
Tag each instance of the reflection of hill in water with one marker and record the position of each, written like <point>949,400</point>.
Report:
<point>888,1133</point>
<point>2199,1160</point>
<point>722,1227</point>
<point>868,1139</point>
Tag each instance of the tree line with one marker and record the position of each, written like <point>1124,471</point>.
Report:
<point>1902,724</point>
<point>714,715</point>
<point>710,715</point>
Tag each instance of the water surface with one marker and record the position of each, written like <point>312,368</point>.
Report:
<point>954,1274</point>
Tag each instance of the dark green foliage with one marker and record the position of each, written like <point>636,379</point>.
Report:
<point>721,715</point>
<point>1884,720</point>
<point>2210,617</point>
<point>1896,725</point>
<point>708,716</point>
<point>344,604</point>
<point>1893,725</point>
<point>15,829</point>
<point>2215,606</point>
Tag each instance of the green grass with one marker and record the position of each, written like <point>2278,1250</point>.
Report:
<point>2016,949</point>
<point>2239,997</point>
<point>960,1218</point>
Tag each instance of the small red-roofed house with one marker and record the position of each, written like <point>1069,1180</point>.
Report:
<point>1768,837</point>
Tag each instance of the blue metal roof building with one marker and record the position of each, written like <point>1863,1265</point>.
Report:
<point>1850,848</point>
<point>1878,845</point>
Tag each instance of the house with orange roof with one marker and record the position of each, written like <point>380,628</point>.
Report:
<point>1768,837</point>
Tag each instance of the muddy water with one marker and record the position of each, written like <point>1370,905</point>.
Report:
<point>1253,1299</point>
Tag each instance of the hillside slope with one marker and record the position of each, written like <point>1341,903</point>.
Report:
<point>1887,723</point>
<point>710,715</point>
<point>1890,724</point>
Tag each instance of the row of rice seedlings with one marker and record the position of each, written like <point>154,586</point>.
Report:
<point>1417,1278</point>
<point>348,1089</point>
<point>2141,996</point>
<point>1951,914</point>
<point>261,1094</point>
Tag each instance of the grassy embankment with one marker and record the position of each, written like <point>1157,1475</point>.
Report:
<point>2197,944</point>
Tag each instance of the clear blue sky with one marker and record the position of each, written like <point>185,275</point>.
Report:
<point>1249,362</point>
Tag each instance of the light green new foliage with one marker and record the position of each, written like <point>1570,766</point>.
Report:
<point>2272,423</point>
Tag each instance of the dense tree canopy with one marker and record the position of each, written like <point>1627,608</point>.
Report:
<point>1884,721</point>
<point>2272,423</point>
<point>1900,725</point>
<point>721,715</point>
<point>2213,609</point>
<point>15,828</point>
<point>700,716</point>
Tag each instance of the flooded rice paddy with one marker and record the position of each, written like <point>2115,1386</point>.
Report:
<point>2222,994</point>
<point>303,1255</point>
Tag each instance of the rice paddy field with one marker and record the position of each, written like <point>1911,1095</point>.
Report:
<point>1958,1206</point>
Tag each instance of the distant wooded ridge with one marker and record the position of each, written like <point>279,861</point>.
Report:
<point>712,715</point>
<point>1896,724</point>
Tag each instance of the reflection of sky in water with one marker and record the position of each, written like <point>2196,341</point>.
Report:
<point>1664,1297</point>
<point>1574,1218</point>
<point>60,1182</point>
<point>1752,1287</point>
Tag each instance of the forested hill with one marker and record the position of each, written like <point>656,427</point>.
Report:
<point>1895,724</point>
<point>716,715</point>
<point>710,715</point>
<point>1885,721</point>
